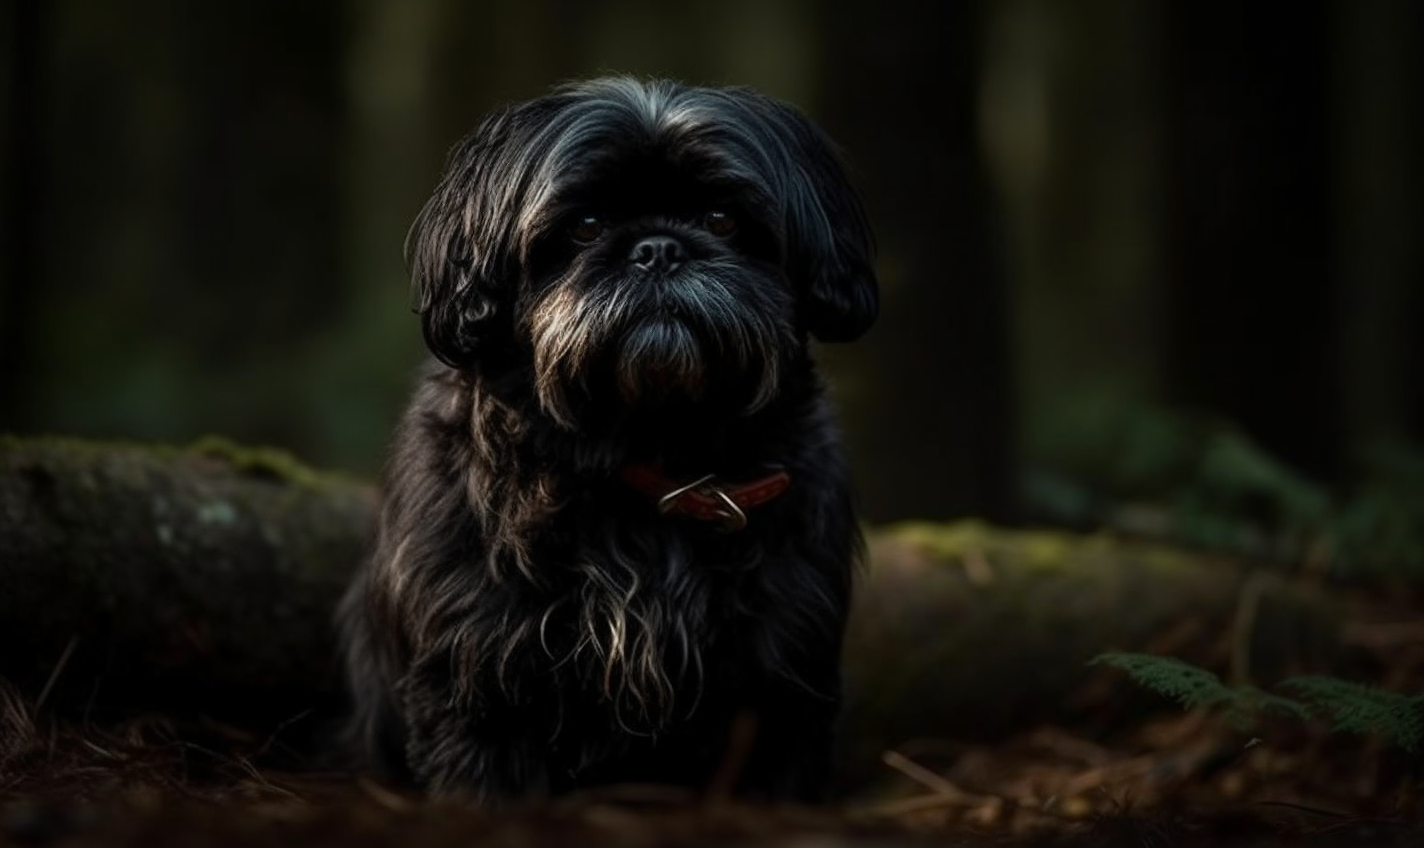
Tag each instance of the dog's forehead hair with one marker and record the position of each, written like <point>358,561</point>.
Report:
<point>628,184</point>
<point>656,138</point>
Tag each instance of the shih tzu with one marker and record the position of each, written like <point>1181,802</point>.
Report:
<point>616,520</point>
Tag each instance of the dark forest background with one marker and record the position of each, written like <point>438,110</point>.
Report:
<point>1107,229</point>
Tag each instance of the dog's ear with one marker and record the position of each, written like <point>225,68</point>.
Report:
<point>831,252</point>
<point>458,248</point>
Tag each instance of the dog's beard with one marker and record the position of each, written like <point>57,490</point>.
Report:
<point>714,333</point>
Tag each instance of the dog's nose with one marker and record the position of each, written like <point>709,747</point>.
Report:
<point>656,252</point>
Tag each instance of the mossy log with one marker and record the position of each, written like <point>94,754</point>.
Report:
<point>150,577</point>
<point>203,579</point>
<point>964,631</point>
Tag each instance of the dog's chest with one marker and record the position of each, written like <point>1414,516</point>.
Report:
<point>656,603</point>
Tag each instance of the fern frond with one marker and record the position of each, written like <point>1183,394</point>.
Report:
<point>1357,708</point>
<point>1264,702</point>
<point>1185,683</point>
<point>1249,707</point>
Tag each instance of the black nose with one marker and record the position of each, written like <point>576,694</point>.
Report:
<point>657,252</point>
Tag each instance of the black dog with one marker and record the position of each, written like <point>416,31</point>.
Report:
<point>616,520</point>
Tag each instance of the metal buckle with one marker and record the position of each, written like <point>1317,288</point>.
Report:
<point>668,501</point>
<point>733,517</point>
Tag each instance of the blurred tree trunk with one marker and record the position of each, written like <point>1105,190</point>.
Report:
<point>1072,125</point>
<point>189,229</point>
<point>1380,125</point>
<point>1251,322</point>
<point>933,435</point>
<point>24,213</point>
<point>523,48</point>
<point>259,176</point>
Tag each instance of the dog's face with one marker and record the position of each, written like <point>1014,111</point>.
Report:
<point>640,244</point>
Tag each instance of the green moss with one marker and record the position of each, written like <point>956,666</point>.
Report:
<point>76,446</point>
<point>943,541</point>
<point>267,462</point>
<point>253,461</point>
<point>957,540</point>
<point>1045,550</point>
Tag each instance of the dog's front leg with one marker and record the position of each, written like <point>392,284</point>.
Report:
<point>477,750</point>
<point>792,756</point>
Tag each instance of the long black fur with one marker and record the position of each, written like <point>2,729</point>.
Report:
<point>528,623</point>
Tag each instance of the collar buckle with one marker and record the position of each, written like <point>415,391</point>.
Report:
<point>707,498</point>
<point>732,517</point>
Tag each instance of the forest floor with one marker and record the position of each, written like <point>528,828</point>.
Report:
<point>1161,777</point>
<point>1171,779</point>
<point>1184,780</point>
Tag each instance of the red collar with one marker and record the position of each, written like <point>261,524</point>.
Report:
<point>706,498</point>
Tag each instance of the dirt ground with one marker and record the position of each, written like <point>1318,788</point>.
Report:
<point>1173,779</point>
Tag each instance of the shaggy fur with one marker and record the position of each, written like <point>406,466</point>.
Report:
<point>528,623</point>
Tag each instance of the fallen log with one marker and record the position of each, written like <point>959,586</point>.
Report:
<point>140,577</point>
<point>967,632</point>
<point>202,579</point>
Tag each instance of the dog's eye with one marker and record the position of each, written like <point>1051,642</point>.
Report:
<point>719,223</point>
<point>586,228</point>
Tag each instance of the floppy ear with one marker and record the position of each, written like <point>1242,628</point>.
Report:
<point>457,249</point>
<point>831,251</point>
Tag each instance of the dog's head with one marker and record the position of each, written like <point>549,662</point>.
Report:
<point>639,241</point>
